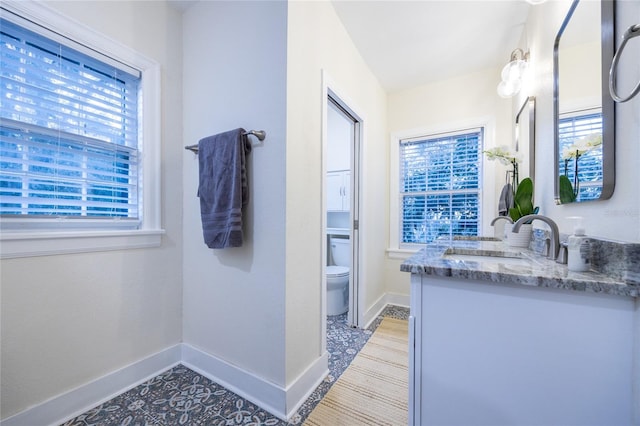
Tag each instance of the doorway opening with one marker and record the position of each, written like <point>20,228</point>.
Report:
<point>342,195</point>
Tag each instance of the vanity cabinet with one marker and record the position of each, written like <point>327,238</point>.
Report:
<point>483,352</point>
<point>338,190</point>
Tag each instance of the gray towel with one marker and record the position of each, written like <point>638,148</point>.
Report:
<point>506,200</point>
<point>223,187</point>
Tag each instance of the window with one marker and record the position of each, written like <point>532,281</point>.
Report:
<point>439,186</point>
<point>72,134</point>
<point>69,132</point>
<point>581,133</point>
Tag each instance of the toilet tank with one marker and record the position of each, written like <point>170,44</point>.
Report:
<point>340,251</point>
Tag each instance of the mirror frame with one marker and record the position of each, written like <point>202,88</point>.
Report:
<point>607,31</point>
<point>531,103</point>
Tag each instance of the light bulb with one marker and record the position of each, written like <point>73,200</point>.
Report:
<point>514,70</point>
<point>507,89</point>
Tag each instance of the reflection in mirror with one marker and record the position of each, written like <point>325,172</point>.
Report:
<point>583,119</point>
<point>526,137</point>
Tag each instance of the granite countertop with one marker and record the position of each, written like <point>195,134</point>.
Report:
<point>531,269</point>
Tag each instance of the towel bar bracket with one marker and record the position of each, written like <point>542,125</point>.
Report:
<point>260,134</point>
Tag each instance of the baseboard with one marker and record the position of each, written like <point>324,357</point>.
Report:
<point>266,395</point>
<point>269,396</point>
<point>281,402</point>
<point>306,383</point>
<point>386,299</point>
<point>398,299</point>
<point>75,402</point>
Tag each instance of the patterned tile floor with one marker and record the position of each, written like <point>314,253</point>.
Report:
<point>180,396</point>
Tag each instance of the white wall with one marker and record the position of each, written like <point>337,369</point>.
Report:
<point>235,76</point>
<point>579,85</point>
<point>67,320</point>
<point>318,42</point>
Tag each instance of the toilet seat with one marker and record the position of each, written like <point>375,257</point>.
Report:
<point>337,271</point>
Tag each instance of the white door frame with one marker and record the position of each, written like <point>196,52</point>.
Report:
<point>355,314</point>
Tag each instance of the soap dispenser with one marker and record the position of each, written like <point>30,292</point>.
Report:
<point>578,248</point>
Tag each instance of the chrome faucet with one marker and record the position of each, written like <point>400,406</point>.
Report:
<point>507,218</point>
<point>496,230</point>
<point>554,247</point>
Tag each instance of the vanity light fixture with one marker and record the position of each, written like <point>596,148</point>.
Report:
<point>512,74</point>
<point>534,2</point>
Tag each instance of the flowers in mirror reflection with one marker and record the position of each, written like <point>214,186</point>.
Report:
<point>580,145</point>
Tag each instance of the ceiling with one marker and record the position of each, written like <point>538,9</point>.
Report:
<point>411,43</point>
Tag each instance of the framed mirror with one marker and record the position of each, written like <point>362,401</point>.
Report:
<point>525,132</point>
<point>584,122</point>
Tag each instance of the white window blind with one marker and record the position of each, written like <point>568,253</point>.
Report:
<point>572,128</point>
<point>68,131</point>
<point>440,186</point>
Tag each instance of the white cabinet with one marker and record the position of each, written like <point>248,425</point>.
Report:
<point>487,353</point>
<point>338,191</point>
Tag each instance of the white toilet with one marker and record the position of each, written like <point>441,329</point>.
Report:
<point>338,276</point>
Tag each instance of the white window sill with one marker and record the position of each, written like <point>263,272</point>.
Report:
<point>397,253</point>
<point>28,244</point>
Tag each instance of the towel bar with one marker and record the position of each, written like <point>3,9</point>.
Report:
<point>260,134</point>
<point>632,31</point>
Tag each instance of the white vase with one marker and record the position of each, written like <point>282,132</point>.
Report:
<point>521,238</point>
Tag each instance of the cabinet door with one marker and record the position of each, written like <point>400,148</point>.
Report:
<point>346,191</point>
<point>339,191</point>
<point>334,191</point>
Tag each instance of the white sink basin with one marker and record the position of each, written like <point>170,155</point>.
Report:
<point>500,256</point>
<point>505,260</point>
<point>473,238</point>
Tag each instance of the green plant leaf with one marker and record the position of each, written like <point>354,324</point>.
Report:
<point>523,200</point>
<point>566,190</point>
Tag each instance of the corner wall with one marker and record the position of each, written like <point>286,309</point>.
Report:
<point>235,76</point>
<point>266,296</point>
<point>317,43</point>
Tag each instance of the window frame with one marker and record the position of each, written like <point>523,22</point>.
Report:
<point>32,241</point>
<point>397,249</point>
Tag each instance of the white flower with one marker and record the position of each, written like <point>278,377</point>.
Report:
<point>591,141</point>
<point>504,155</point>
<point>568,152</point>
<point>582,145</point>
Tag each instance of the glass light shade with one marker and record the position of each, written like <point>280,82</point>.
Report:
<point>508,89</point>
<point>514,70</point>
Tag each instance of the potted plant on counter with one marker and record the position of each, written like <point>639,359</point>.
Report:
<point>522,206</point>
<point>516,199</point>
